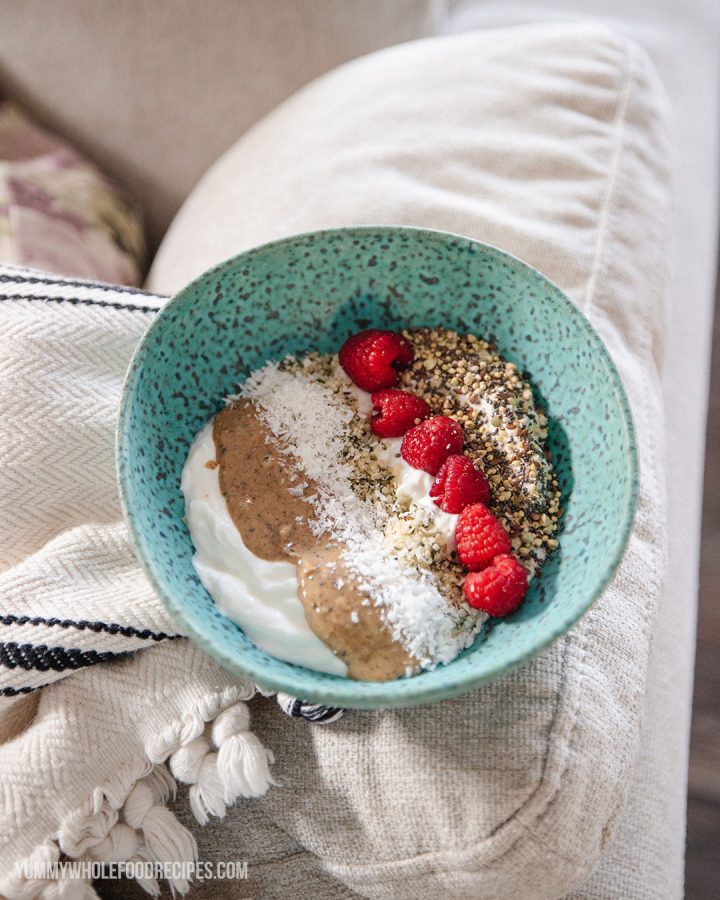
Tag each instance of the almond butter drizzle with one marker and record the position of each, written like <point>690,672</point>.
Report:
<point>256,479</point>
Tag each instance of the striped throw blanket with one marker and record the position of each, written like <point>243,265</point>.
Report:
<point>90,753</point>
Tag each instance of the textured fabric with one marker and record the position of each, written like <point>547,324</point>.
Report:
<point>83,746</point>
<point>550,143</point>
<point>57,211</point>
<point>155,91</point>
<point>646,859</point>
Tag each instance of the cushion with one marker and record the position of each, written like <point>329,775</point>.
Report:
<point>550,142</point>
<point>645,858</point>
<point>156,91</point>
<point>58,212</point>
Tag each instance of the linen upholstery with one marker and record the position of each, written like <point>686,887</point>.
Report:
<point>549,142</point>
<point>646,857</point>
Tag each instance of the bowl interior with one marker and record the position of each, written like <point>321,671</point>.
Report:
<point>310,292</point>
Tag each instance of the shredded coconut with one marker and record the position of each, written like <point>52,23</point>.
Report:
<point>309,420</point>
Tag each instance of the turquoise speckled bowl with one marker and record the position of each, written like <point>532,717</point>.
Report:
<point>309,293</point>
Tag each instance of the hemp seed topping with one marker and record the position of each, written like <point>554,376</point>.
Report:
<point>504,431</point>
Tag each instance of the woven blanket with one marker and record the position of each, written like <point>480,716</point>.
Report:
<point>89,754</point>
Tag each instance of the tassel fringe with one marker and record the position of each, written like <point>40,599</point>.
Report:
<point>127,820</point>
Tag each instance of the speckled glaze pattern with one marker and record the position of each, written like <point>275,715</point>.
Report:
<point>310,292</point>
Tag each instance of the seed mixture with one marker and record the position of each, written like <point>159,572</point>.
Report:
<point>464,378</point>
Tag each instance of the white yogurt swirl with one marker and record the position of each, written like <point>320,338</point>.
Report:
<point>413,486</point>
<point>259,595</point>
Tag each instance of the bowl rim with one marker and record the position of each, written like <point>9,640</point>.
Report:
<point>343,692</point>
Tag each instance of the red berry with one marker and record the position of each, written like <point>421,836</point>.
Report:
<point>479,537</point>
<point>396,411</point>
<point>458,484</point>
<point>498,590</point>
<point>428,445</point>
<point>372,358</point>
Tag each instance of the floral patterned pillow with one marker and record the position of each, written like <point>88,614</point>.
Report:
<point>58,212</point>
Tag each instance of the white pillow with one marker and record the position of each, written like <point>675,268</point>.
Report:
<point>548,141</point>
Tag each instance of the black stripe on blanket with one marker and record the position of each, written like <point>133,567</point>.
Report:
<point>14,692</point>
<point>83,625</point>
<point>63,282</point>
<point>44,658</point>
<point>313,712</point>
<point>80,301</point>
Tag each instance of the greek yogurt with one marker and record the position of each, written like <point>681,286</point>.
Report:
<point>259,596</point>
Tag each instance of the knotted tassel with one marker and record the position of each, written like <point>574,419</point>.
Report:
<point>124,844</point>
<point>196,764</point>
<point>22,884</point>
<point>243,762</point>
<point>120,844</point>
<point>165,838</point>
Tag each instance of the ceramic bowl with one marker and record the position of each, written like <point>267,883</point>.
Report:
<point>310,292</point>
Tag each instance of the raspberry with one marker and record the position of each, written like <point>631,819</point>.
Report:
<point>479,537</point>
<point>396,411</point>
<point>372,358</point>
<point>428,445</point>
<point>498,590</point>
<point>458,484</point>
